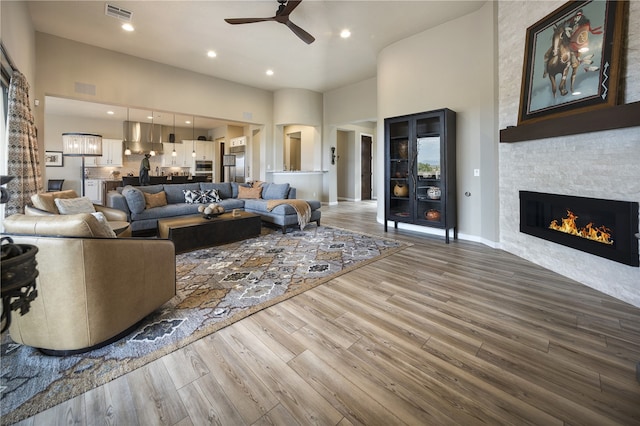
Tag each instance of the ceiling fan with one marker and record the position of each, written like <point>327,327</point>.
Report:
<point>282,16</point>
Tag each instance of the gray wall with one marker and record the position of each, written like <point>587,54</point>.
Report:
<point>450,66</point>
<point>600,165</point>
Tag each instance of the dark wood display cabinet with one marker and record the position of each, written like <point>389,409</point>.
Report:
<point>420,170</point>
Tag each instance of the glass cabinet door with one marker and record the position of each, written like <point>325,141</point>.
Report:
<point>429,157</point>
<point>429,188</point>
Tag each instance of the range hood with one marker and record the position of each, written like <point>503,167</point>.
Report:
<point>142,137</point>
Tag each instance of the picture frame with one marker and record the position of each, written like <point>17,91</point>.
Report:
<point>572,60</point>
<point>53,159</point>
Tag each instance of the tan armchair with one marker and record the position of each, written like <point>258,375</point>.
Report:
<point>44,205</point>
<point>91,289</point>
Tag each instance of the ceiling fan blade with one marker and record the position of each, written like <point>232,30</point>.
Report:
<point>291,4</point>
<point>304,36</point>
<point>235,21</point>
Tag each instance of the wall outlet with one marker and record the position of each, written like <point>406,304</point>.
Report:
<point>476,172</point>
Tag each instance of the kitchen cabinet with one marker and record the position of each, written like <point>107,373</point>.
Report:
<point>420,170</point>
<point>182,158</point>
<point>239,141</point>
<point>93,190</point>
<point>111,155</point>
<point>204,150</point>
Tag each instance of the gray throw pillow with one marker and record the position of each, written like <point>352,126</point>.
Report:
<point>74,205</point>
<point>135,199</point>
<point>223,188</point>
<point>275,191</point>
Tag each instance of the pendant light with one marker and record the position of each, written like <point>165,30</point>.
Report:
<point>127,151</point>
<point>193,136</point>
<point>152,152</point>
<point>174,153</point>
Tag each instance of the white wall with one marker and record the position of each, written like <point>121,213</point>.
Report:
<point>600,165</point>
<point>450,66</point>
<point>126,80</point>
<point>347,108</point>
<point>19,37</point>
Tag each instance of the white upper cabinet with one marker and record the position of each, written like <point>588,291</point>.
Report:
<point>204,150</point>
<point>111,155</point>
<point>181,159</point>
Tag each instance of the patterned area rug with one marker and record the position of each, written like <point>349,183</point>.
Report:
<point>215,287</point>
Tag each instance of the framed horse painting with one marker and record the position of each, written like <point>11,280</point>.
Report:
<point>572,60</point>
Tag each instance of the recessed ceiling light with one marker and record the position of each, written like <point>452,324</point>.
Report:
<point>110,112</point>
<point>150,117</point>
<point>269,72</point>
<point>345,33</point>
<point>187,122</point>
<point>212,54</point>
<point>127,27</point>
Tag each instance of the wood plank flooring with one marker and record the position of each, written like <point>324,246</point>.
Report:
<point>433,335</point>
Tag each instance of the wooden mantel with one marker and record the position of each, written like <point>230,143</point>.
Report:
<point>617,117</point>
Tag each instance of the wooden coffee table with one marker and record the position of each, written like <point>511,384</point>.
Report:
<point>194,232</point>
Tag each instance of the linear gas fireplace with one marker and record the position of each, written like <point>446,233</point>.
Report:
<point>604,228</point>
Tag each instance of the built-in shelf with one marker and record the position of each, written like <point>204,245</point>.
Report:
<point>617,117</point>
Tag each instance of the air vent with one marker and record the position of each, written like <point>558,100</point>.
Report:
<point>117,12</point>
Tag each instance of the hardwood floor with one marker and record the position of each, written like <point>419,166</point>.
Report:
<point>435,334</point>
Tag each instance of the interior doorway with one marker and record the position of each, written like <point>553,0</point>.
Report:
<point>366,158</point>
<point>221,162</point>
<point>293,151</point>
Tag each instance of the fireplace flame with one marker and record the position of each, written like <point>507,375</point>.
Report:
<point>601,234</point>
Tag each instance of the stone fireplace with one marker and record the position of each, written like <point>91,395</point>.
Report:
<point>605,228</point>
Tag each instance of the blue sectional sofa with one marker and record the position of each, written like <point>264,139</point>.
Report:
<point>132,201</point>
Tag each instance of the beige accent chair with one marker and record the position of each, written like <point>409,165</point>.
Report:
<point>44,205</point>
<point>92,289</point>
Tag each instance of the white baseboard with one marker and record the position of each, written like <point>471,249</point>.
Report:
<point>441,233</point>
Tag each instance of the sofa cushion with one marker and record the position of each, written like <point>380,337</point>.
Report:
<point>249,193</point>
<point>175,192</point>
<point>223,188</point>
<point>197,196</point>
<point>170,210</point>
<point>45,201</point>
<point>275,191</point>
<point>135,199</point>
<point>155,200</point>
<point>74,205</point>
<point>260,207</point>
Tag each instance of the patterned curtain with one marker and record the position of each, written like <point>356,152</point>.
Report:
<point>22,141</point>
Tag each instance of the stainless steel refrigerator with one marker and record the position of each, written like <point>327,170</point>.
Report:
<point>238,172</point>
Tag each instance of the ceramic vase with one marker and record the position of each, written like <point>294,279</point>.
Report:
<point>433,193</point>
<point>401,190</point>
<point>403,150</point>
<point>432,214</point>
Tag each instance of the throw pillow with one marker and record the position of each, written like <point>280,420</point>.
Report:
<point>135,199</point>
<point>276,191</point>
<point>223,188</point>
<point>155,200</point>
<point>45,201</point>
<point>214,196</point>
<point>249,193</point>
<point>106,230</point>
<point>74,205</point>
<point>195,196</point>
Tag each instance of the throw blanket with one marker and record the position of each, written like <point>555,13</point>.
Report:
<point>302,208</point>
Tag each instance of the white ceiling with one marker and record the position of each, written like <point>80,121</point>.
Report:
<point>179,33</point>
